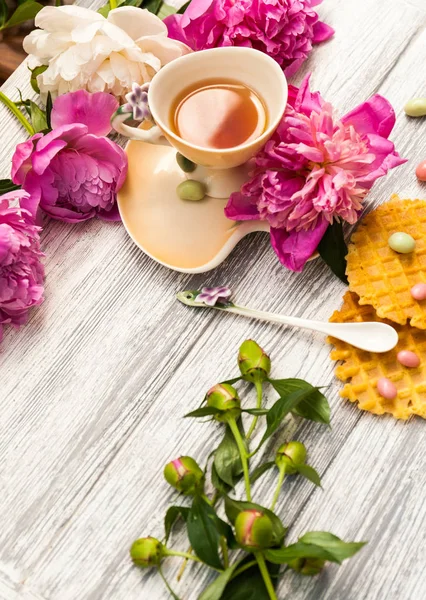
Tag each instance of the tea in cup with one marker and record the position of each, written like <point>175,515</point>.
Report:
<point>217,108</point>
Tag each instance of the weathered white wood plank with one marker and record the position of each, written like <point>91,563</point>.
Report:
<point>93,389</point>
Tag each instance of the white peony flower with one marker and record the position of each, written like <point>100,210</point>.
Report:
<point>84,50</point>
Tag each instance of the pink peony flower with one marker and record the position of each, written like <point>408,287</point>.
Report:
<point>316,168</point>
<point>283,29</point>
<point>21,272</point>
<point>73,172</point>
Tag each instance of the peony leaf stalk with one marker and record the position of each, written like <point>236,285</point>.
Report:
<point>15,110</point>
<point>224,397</point>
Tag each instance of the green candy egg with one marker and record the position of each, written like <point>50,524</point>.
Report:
<point>185,164</point>
<point>402,242</point>
<point>416,107</point>
<point>191,190</point>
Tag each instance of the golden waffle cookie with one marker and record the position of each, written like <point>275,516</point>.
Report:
<point>379,275</point>
<point>362,369</point>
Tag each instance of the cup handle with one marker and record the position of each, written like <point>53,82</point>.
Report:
<point>136,108</point>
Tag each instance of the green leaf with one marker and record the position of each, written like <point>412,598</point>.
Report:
<point>215,590</point>
<point>172,515</point>
<point>152,5</point>
<point>202,526</point>
<point>231,381</point>
<point>309,473</point>
<point>218,483</point>
<point>227,461</point>
<point>49,106</point>
<point>234,507</point>
<point>315,407</point>
<point>104,10</point>
<point>24,12</point>
<point>258,412</point>
<point>7,185</point>
<point>282,407</point>
<point>166,11</point>
<point>333,250</point>
<point>259,471</point>
<point>204,411</point>
<point>183,8</point>
<point>332,544</point>
<point>34,73</point>
<point>249,585</point>
<point>316,544</point>
<point>4,11</point>
<point>38,117</point>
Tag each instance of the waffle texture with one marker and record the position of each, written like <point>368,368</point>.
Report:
<point>361,370</point>
<point>380,276</point>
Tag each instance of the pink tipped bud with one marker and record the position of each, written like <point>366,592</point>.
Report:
<point>225,398</point>
<point>253,529</point>
<point>291,455</point>
<point>185,475</point>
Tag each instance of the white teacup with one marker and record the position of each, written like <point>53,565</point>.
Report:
<point>249,67</point>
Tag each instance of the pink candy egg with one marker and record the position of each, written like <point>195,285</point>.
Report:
<point>418,291</point>
<point>421,171</point>
<point>386,388</point>
<point>408,359</point>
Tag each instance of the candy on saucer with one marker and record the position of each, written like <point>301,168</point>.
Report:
<point>371,378</point>
<point>383,276</point>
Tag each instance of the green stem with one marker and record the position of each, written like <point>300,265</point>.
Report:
<point>245,567</point>
<point>204,497</point>
<point>13,108</point>
<point>186,555</point>
<point>112,4</point>
<point>243,455</point>
<point>258,405</point>
<point>175,596</point>
<point>224,547</point>
<point>265,574</point>
<point>278,488</point>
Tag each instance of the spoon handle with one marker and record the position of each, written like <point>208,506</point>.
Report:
<point>284,320</point>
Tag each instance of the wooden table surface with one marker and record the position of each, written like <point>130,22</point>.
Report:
<point>94,388</point>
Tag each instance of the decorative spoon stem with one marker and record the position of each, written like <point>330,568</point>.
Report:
<point>368,336</point>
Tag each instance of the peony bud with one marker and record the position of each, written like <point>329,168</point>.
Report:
<point>253,529</point>
<point>147,552</point>
<point>185,475</point>
<point>290,455</point>
<point>225,398</point>
<point>254,363</point>
<point>307,566</point>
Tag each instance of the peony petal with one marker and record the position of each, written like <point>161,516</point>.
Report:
<point>376,115</point>
<point>93,110</point>
<point>112,215</point>
<point>322,32</point>
<point>41,159</point>
<point>306,101</point>
<point>241,208</point>
<point>137,22</point>
<point>174,28</point>
<point>20,160</point>
<point>65,18</point>
<point>296,247</point>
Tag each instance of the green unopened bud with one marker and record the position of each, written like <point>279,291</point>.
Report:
<point>291,455</point>
<point>147,552</point>
<point>307,566</point>
<point>253,530</point>
<point>254,363</point>
<point>185,475</point>
<point>225,398</point>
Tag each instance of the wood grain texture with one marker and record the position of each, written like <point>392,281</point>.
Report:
<point>93,390</point>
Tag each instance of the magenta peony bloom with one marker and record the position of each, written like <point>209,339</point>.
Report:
<point>283,29</point>
<point>21,272</point>
<point>73,172</point>
<point>316,168</point>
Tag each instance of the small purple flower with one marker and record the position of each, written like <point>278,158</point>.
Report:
<point>211,296</point>
<point>137,102</point>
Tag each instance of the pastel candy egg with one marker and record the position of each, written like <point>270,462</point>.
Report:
<point>408,359</point>
<point>402,242</point>
<point>421,171</point>
<point>386,388</point>
<point>418,291</point>
<point>416,107</point>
